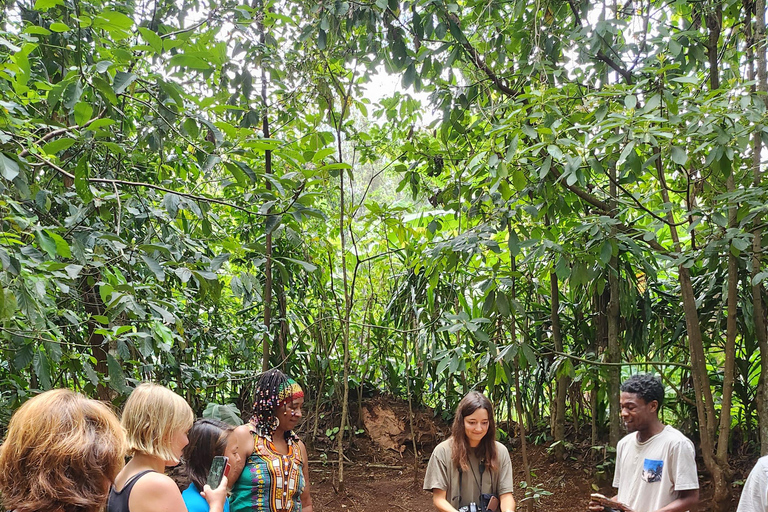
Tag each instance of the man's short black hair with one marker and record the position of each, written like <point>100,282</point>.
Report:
<point>646,386</point>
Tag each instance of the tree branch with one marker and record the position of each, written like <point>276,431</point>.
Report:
<point>60,131</point>
<point>615,66</point>
<point>140,184</point>
<point>478,61</point>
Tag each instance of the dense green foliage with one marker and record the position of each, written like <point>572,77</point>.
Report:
<point>188,183</point>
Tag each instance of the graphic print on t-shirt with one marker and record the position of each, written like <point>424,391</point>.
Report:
<point>652,470</point>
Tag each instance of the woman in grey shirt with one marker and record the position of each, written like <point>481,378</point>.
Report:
<point>471,465</point>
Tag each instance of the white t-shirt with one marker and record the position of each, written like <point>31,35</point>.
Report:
<point>649,475</point>
<point>754,496</point>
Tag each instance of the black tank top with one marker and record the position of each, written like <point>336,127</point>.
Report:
<point>118,501</point>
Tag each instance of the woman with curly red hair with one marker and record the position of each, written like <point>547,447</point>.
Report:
<point>62,453</point>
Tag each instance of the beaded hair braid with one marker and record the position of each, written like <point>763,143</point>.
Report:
<point>273,390</point>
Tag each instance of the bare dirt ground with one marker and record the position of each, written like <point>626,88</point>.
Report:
<point>382,479</point>
<point>378,489</point>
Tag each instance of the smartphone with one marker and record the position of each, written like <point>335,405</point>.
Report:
<point>493,504</point>
<point>219,468</point>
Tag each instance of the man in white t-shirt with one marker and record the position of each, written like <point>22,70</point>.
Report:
<point>655,463</point>
<point>754,496</point>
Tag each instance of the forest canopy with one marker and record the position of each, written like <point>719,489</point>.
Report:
<point>551,196</point>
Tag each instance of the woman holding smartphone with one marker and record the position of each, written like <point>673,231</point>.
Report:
<point>471,466</point>
<point>208,438</point>
<point>276,475</point>
<point>156,421</point>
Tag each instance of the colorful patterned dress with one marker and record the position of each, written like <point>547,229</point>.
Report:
<point>270,481</point>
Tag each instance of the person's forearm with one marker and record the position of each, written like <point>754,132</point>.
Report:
<point>507,502</point>
<point>680,505</point>
<point>443,505</point>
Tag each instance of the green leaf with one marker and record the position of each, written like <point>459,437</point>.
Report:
<point>189,61</point>
<point>58,27</point>
<point>519,180</point>
<point>555,152</point>
<point>83,113</point>
<point>90,374</point>
<point>116,23</point>
<point>183,273</point>
<point>304,264</point>
<point>606,252</point>
<point>105,89</point>
<point>36,30</point>
<point>678,155</point>
<point>47,244</point>
<point>626,152</point>
<point>72,94</point>
<point>228,413</point>
<point>116,376</point>
<point>9,169</point>
<point>154,266</point>
<point>62,247</point>
<point>630,101</point>
<point>100,123</point>
<point>122,81</point>
<point>42,367</point>
<point>409,77</point>
<point>82,185</point>
<point>44,5</point>
<point>73,270</point>
<point>218,261</point>
<point>321,39</point>
<point>58,145</point>
<point>24,355</point>
<point>152,39</point>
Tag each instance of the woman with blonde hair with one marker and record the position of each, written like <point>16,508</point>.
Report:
<point>61,453</point>
<point>156,421</point>
<point>471,466</point>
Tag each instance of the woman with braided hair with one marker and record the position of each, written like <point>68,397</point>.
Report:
<point>276,475</point>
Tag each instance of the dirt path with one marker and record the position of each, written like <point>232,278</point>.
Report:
<point>563,486</point>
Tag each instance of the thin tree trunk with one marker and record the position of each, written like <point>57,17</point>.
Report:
<point>705,408</point>
<point>94,306</point>
<point>408,390</point>
<point>722,476</point>
<point>561,386</point>
<point>265,346</point>
<point>757,289</point>
<point>347,296</point>
<point>614,347</point>
<point>522,433</point>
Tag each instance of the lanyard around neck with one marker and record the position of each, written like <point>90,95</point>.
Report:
<point>481,468</point>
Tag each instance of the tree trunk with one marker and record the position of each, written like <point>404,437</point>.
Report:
<point>601,342</point>
<point>722,475</point>
<point>265,347</point>
<point>347,297</point>
<point>93,307</point>
<point>705,408</point>
<point>558,425</point>
<point>758,306</point>
<point>521,427</point>
<point>282,334</point>
<point>614,347</point>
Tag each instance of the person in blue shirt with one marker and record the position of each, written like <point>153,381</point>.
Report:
<point>207,439</point>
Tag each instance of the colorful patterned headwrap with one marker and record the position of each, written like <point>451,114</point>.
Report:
<point>288,392</point>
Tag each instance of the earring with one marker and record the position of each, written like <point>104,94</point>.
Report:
<point>274,423</point>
